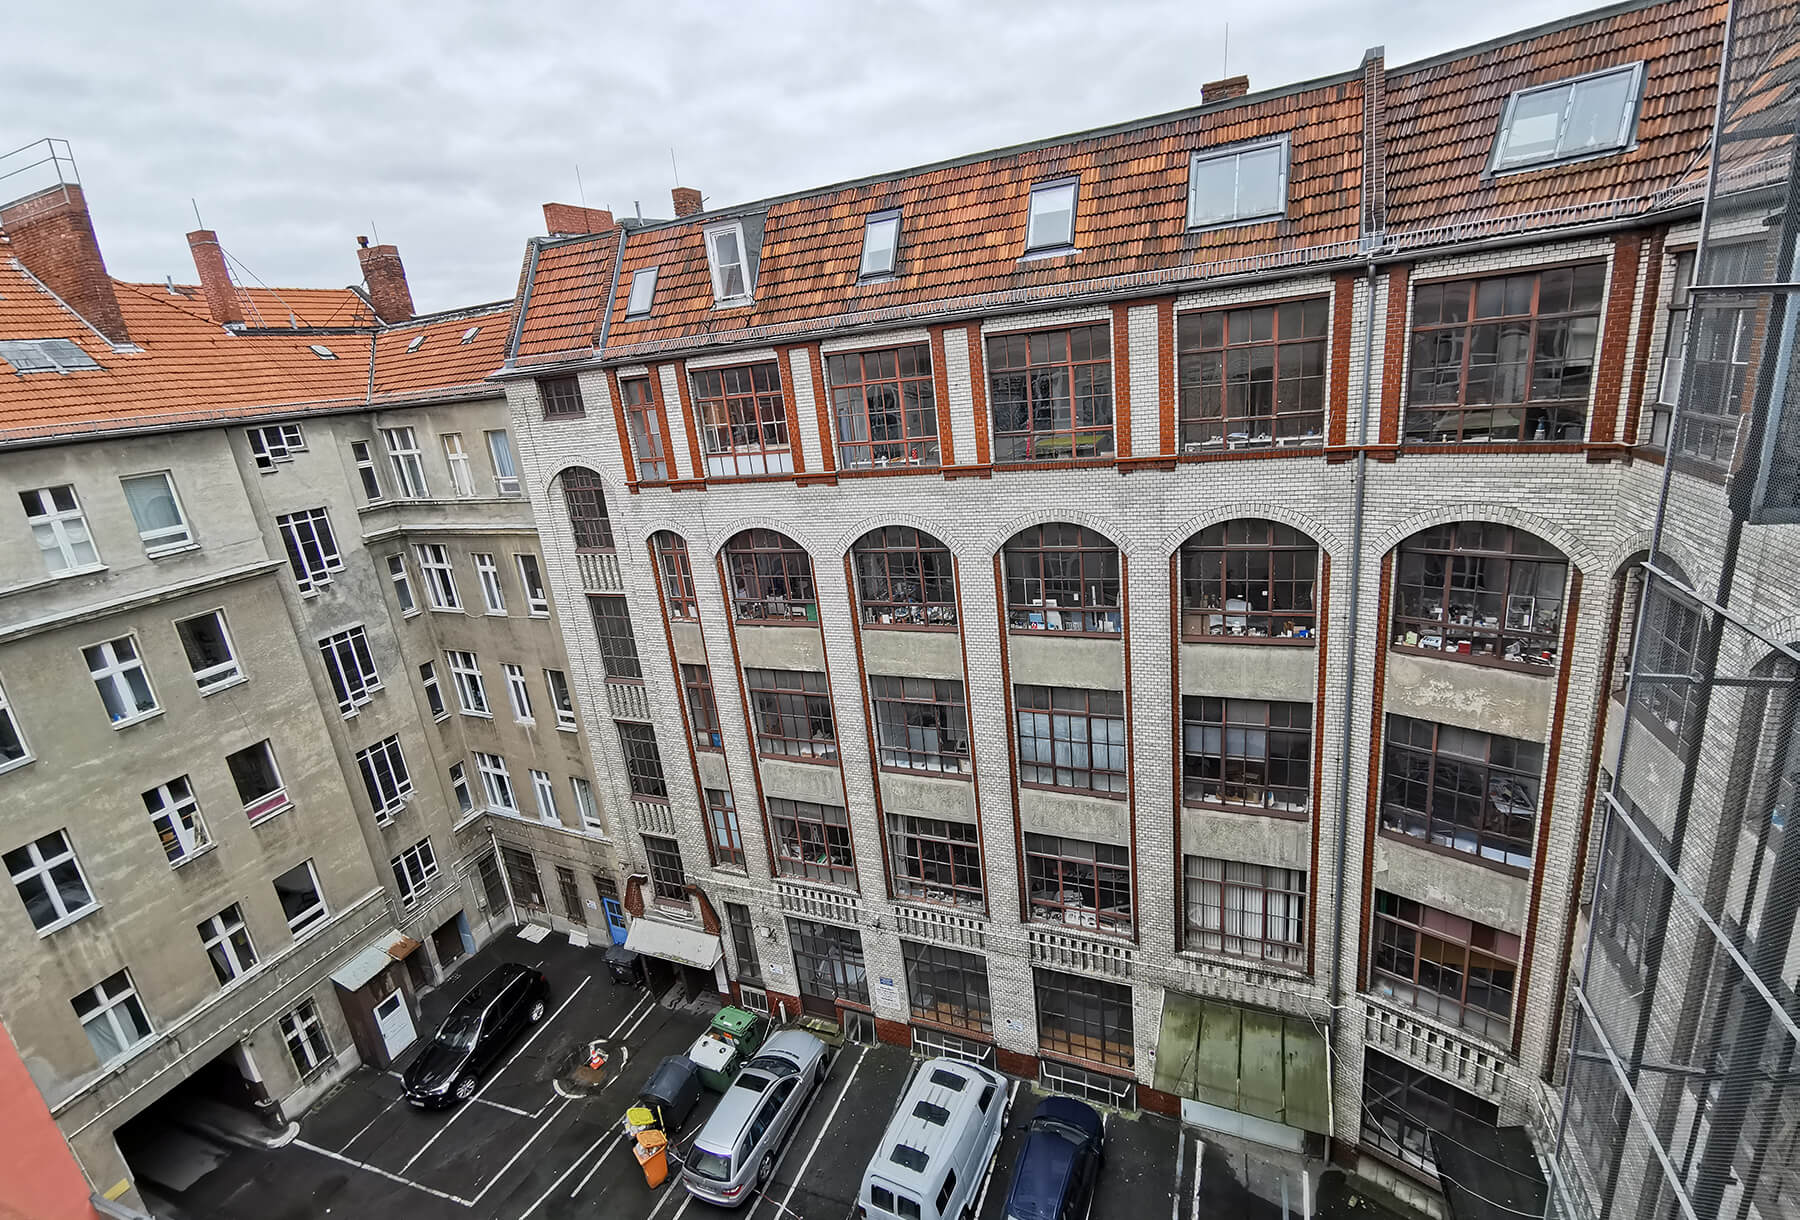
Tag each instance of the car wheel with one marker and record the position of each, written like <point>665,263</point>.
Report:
<point>766,1169</point>
<point>465,1088</point>
<point>537,1012</point>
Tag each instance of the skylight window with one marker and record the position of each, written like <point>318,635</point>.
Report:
<point>417,343</point>
<point>468,336</point>
<point>1051,223</point>
<point>45,356</point>
<point>321,351</point>
<point>730,273</point>
<point>881,238</point>
<point>1238,185</point>
<point>643,292</point>
<point>1582,117</point>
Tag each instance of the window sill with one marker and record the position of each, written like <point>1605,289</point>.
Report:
<point>1057,922</point>
<point>128,721</point>
<point>529,722</point>
<point>1280,641</point>
<point>1107,796</point>
<point>58,925</point>
<point>413,613</point>
<point>1049,252</point>
<point>973,910</point>
<point>1236,222</point>
<point>66,574</point>
<point>307,933</point>
<point>927,772</point>
<point>16,763</point>
<point>477,715</point>
<point>457,610</point>
<point>733,302</point>
<point>567,728</point>
<point>1456,853</point>
<point>270,816</point>
<point>165,552</point>
<point>1264,811</point>
<point>1055,633</point>
<point>812,759</point>
<point>439,718</point>
<point>216,687</point>
<point>494,614</point>
<point>1250,965</point>
<point>1542,670</point>
<point>192,856</point>
<point>538,614</point>
<point>938,627</point>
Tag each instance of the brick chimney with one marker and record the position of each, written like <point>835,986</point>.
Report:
<point>222,300</point>
<point>687,200</point>
<point>566,220</point>
<point>52,235</point>
<point>386,277</point>
<point>1224,90</point>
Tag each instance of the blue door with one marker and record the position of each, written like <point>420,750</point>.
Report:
<point>615,919</point>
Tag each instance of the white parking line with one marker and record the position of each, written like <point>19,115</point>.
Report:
<point>1180,1164</point>
<point>376,1169</point>
<point>638,1022</point>
<point>509,1109</point>
<point>515,1156</point>
<point>582,1185</point>
<point>1199,1152</point>
<point>987,1178</point>
<point>673,1188</point>
<point>367,1125</point>
<point>632,1013</point>
<point>824,1127</point>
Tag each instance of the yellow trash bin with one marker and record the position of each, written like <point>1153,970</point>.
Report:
<point>652,1152</point>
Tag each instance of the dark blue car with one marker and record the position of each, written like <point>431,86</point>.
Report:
<point>1054,1176</point>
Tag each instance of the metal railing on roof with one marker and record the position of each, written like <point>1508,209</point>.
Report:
<point>44,165</point>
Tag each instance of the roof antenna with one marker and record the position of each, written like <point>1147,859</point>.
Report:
<point>198,223</point>
<point>1225,59</point>
<point>376,230</point>
<point>638,206</point>
<point>674,167</point>
<point>579,190</point>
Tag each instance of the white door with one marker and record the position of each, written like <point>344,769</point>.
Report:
<point>395,1022</point>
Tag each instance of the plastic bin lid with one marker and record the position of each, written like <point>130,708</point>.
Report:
<point>652,1139</point>
<point>710,1053</point>
<point>735,1021</point>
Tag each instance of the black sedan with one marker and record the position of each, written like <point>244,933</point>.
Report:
<point>481,1026</point>
<point>1055,1173</point>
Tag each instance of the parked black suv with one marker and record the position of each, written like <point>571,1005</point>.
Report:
<point>481,1026</point>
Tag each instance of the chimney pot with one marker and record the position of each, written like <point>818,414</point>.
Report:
<point>362,242</point>
<point>52,234</point>
<point>222,300</point>
<point>687,200</point>
<point>385,275</point>
<point>1224,90</point>
<point>567,219</point>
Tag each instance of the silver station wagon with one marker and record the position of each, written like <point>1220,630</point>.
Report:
<point>736,1151</point>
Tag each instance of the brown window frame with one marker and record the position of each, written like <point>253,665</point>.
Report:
<point>885,376</point>
<point>1491,844</point>
<point>1094,593</point>
<point>743,425</point>
<point>1084,1018</point>
<point>1441,571</point>
<point>954,980</point>
<point>668,882</point>
<point>561,397</point>
<point>1410,941</point>
<point>1228,780</point>
<point>677,573</point>
<point>904,578</point>
<point>643,761</point>
<point>797,700</point>
<point>1253,938</point>
<point>914,710</point>
<point>758,563</point>
<point>1028,360</point>
<point>702,707</point>
<point>1271,570</point>
<point>1217,355</point>
<point>937,861</point>
<point>584,497</point>
<point>830,838</point>
<point>724,833</point>
<point>1059,863</point>
<point>617,642</point>
<point>1403,1107</point>
<point>1060,702</point>
<point>829,962</point>
<point>743,942</point>
<point>646,429</point>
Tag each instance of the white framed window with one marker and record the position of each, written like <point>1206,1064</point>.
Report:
<point>161,524</point>
<point>351,668</point>
<point>408,464</point>
<point>209,653</point>
<point>385,778</point>
<point>459,787</point>
<point>500,451</point>
<point>518,694</point>
<point>228,944</point>
<point>557,683</point>
<point>1051,221</point>
<point>1237,185</point>
<point>366,472</point>
<point>274,443</point>
<point>731,278</point>
<point>49,881</point>
<point>881,240</point>
<point>175,816</point>
<point>471,693</point>
<point>311,547</point>
<point>305,1036</point>
<point>1568,119</point>
<point>434,694</point>
<point>545,791</point>
<point>60,528</point>
<point>488,572</point>
<point>15,751</point>
<point>403,591</point>
<point>496,782</point>
<point>643,292</point>
<point>462,476</point>
<point>584,804</point>
<point>440,576</point>
<point>113,1017</point>
<point>121,679</point>
<point>258,780</point>
<point>414,870</point>
<point>531,579</point>
<point>302,901</point>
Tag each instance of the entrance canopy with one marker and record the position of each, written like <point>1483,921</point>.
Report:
<point>1251,1060</point>
<point>672,943</point>
<point>391,946</point>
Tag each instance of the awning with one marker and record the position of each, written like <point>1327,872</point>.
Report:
<point>672,943</point>
<point>391,946</point>
<point>1250,1060</point>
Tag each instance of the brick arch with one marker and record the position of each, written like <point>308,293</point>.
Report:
<point>876,521</point>
<point>716,540</point>
<point>1579,556</point>
<point>1637,544</point>
<point>1105,528</point>
<point>1312,527</point>
<point>552,484</point>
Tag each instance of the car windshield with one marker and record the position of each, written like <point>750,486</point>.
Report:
<point>710,1165</point>
<point>459,1030</point>
<point>1074,1135</point>
<point>773,1065</point>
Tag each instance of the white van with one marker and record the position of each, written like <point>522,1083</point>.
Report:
<point>938,1146</point>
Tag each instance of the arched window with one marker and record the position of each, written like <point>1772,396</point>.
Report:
<point>1249,579</point>
<point>677,574</point>
<point>587,510</point>
<point>904,578</point>
<point>1062,577</point>
<point>1480,590</point>
<point>771,577</point>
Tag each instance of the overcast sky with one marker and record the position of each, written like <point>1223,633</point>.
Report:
<point>443,127</point>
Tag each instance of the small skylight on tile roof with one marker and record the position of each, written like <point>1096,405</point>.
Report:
<point>468,336</point>
<point>321,351</point>
<point>730,273</point>
<point>1237,185</point>
<point>881,238</point>
<point>45,356</point>
<point>417,343</point>
<point>1051,223</point>
<point>1581,117</point>
<point>643,292</point>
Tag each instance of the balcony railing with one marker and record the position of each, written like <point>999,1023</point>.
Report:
<point>832,905</point>
<point>944,927</point>
<point>599,572</point>
<point>1066,952</point>
<point>1465,1063</point>
<point>627,701</point>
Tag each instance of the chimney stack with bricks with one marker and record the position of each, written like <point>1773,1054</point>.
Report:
<point>385,275</point>
<point>687,200</point>
<point>52,235</point>
<point>222,300</point>
<point>566,220</point>
<point>1224,90</point>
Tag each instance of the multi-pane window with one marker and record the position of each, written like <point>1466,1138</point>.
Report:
<point>1508,358</point>
<point>585,806</point>
<point>1050,393</point>
<point>557,683</point>
<point>304,1034</point>
<point>731,275</point>
<point>1452,968</point>
<point>921,724</point>
<point>648,428</point>
<point>49,880</point>
<point>403,590</point>
<point>434,693</point>
<point>518,694</point>
<point>677,576</point>
<point>14,750</point>
<point>274,443</point>
<point>440,576</point>
<point>462,471</point>
<point>414,870</point>
<point>1238,185</point>
<point>643,761</point>
<point>668,880</point>
<point>1477,589</point>
<point>496,782</point>
<point>612,624</point>
<point>407,462</point>
<point>121,679</point>
<point>351,668</point>
<point>113,1017</point>
<point>493,597</point>
<point>1568,119</point>
<point>1253,376</point>
<point>703,711</point>
<point>522,875</point>
<point>459,788</point>
<point>1249,578</point>
<point>1071,738</point>
<point>828,961</point>
<point>743,941</point>
<point>531,579</point>
<point>208,648</point>
<point>790,710</point>
<point>365,471</point>
<point>571,896</point>
<point>904,578</point>
<point>812,841</point>
<point>743,420</point>
<point>885,406</point>
<point>1668,646</point>
<point>500,456</point>
<point>1404,1107</point>
<point>1061,577</point>
<point>157,511</point>
<point>722,830</point>
<point>947,986</point>
<point>1246,753</point>
<point>1084,1018</point>
<point>1246,910</point>
<point>1077,883</point>
<point>227,943</point>
<point>935,860</point>
<point>175,815</point>
<point>543,791</point>
<point>471,692</point>
<point>1050,217</point>
<point>1462,789</point>
<point>59,528</point>
<point>771,577</point>
<point>257,779</point>
<point>302,901</point>
<point>1716,355</point>
<point>643,292</point>
<point>586,500</point>
<point>385,777</point>
<point>561,397</point>
<point>311,547</point>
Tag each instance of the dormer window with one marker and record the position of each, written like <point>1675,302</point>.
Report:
<point>1571,119</point>
<point>1051,224</point>
<point>643,292</point>
<point>1238,185</point>
<point>730,273</point>
<point>881,239</point>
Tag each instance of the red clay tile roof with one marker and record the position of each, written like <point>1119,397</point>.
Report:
<point>569,286</point>
<point>443,363</point>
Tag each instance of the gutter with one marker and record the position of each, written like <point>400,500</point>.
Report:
<point>518,326</point>
<point>612,292</point>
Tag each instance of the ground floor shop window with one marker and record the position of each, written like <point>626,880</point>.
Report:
<point>1084,1018</point>
<point>947,986</point>
<point>828,962</point>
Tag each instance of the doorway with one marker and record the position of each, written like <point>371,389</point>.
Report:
<point>452,941</point>
<point>394,1019</point>
<point>828,964</point>
<point>609,904</point>
<point>196,1126</point>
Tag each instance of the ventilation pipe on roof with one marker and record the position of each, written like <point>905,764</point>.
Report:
<point>385,275</point>
<point>222,300</point>
<point>1224,90</point>
<point>687,200</point>
<point>566,220</point>
<point>53,236</point>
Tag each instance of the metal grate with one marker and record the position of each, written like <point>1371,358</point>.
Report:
<point>1097,1087</point>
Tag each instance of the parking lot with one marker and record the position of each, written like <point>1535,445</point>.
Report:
<point>529,1148</point>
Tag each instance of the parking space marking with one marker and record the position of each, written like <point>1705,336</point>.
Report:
<point>1199,1153</point>
<point>365,1127</point>
<point>993,1166</point>
<point>573,1166</point>
<point>823,1128</point>
<point>582,1185</point>
<point>1180,1163</point>
<point>632,1013</point>
<point>500,1105</point>
<point>675,1188</point>
<point>515,1156</point>
<point>638,1022</point>
<point>392,1177</point>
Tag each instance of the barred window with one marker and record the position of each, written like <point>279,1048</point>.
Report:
<point>935,860</point>
<point>1071,738</point>
<point>1403,1106</point>
<point>612,624</point>
<point>1061,577</point>
<point>1462,789</point>
<point>1477,589</point>
<point>677,576</point>
<point>1246,910</point>
<point>791,711</point>
<point>1669,644</point>
<point>1246,753</point>
<point>904,578</point>
<point>743,420</point>
<point>723,833</point>
<point>703,711</point>
<point>648,428</point>
<point>1249,579</point>
<point>643,762</point>
<point>921,724</point>
<point>1084,1018</point>
<point>1451,968</point>
<point>812,841</point>
<point>1050,394</point>
<point>1078,884</point>
<point>586,500</point>
<point>886,407</point>
<point>771,577</point>
<point>667,878</point>
<point>561,397</point>
<point>1252,377</point>
<point>947,986</point>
